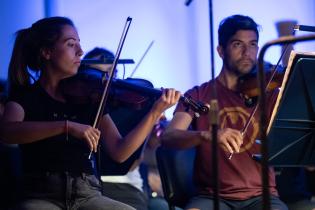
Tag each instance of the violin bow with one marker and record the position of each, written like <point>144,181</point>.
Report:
<point>111,75</point>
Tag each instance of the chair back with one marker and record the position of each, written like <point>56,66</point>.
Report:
<point>176,172</point>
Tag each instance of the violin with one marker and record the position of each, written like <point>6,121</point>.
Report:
<point>249,90</point>
<point>248,85</point>
<point>88,85</point>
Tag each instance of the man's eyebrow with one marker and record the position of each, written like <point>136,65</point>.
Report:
<point>238,40</point>
<point>235,40</point>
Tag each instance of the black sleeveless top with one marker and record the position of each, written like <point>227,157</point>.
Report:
<point>54,154</point>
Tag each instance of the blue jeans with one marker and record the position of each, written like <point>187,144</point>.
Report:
<point>255,203</point>
<point>57,191</point>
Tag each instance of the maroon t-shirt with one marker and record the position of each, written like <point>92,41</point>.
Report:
<point>240,177</point>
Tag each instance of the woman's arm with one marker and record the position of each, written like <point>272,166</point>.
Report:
<point>120,148</point>
<point>14,130</point>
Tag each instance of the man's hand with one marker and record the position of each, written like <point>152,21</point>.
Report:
<point>229,139</point>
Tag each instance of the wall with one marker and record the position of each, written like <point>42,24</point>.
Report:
<point>180,55</point>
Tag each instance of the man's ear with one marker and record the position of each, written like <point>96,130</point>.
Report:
<point>220,51</point>
<point>45,53</point>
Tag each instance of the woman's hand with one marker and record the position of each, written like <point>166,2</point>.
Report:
<point>168,99</point>
<point>86,132</point>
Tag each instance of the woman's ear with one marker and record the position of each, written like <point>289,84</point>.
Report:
<point>45,53</point>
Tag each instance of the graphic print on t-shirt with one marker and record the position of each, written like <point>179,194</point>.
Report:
<point>236,118</point>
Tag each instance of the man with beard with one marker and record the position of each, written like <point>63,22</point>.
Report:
<point>240,175</point>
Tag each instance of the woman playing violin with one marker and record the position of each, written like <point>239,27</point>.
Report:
<point>54,134</point>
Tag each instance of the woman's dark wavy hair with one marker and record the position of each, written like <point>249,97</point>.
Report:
<point>29,42</point>
<point>230,25</point>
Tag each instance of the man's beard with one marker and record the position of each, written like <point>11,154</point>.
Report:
<point>240,69</point>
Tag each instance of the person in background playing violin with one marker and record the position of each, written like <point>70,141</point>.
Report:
<point>55,135</point>
<point>102,54</point>
<point>240,175</point>
<point>126,188</point>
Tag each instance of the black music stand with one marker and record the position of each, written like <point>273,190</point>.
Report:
<point>291,132</point>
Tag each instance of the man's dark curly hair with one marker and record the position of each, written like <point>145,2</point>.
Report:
<point>230,25</point>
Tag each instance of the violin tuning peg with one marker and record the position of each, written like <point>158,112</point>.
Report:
<point>197,115</point>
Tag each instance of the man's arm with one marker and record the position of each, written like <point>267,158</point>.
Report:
<point>176,134</point>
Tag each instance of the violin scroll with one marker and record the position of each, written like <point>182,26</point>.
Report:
<point>198,107</point>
